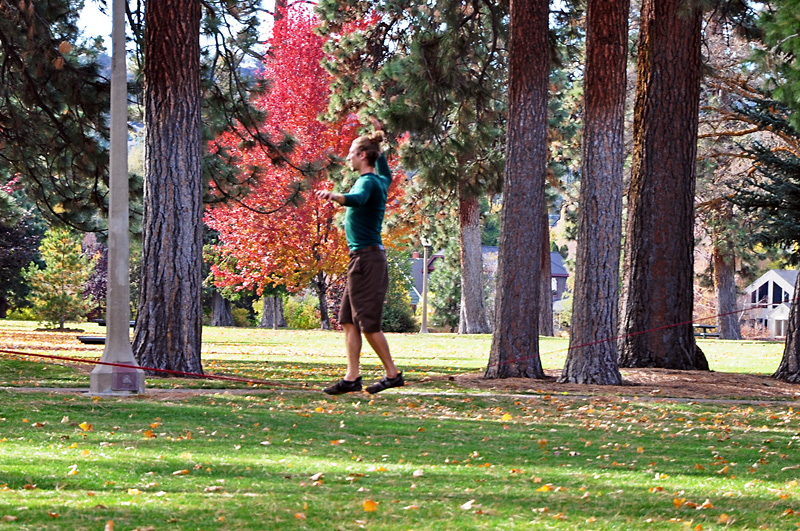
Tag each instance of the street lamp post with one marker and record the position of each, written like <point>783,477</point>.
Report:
<point>425,246</point>
<point>111,379</point>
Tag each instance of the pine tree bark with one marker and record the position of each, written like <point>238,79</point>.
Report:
<point>473,307</point>
<point>592,358</point>
<point>169,321</point>
<point>546,305</point>
<point>724,260</point>
<point>658,272</point>
<point>221,314</point>
<point>515,343</point>
<point>789,369</point>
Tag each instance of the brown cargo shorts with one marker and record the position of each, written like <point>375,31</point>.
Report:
<point>364,294</point>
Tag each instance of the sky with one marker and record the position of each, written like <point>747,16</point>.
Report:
<point>94,22</point>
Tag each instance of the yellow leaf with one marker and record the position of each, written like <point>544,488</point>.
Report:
<point>148,434</point>
<point>370,506</point>
<point>506,417</point>
<point>319,409</point>
<point>640,450</point>
<point>134,492</point>
<point>545,488</point>
<point>677,502</point>
<point>85,426</point>
<point>724,519</point>
<point>705,505</point>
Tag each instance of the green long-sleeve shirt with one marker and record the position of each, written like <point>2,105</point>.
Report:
<point>366,205</point>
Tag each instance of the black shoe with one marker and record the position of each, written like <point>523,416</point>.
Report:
<point>386,383</point>
<point>343,386</point>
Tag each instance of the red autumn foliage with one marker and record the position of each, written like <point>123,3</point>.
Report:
<point>298,242</point>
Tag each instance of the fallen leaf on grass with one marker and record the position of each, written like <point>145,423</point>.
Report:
<point>506,418</point>
<point>467,506</point>
<point>370,506</point>
<point>677,502</point>
<point>300,516</point>
<point>213,488</point>
<point>148,434</point>
<point>109,526</point>
<point>134,492</point>
<point>85,426</point>
<point>418,473</point>
<point>9,518</point>
<point>724,519</point>
<point>180,472</point>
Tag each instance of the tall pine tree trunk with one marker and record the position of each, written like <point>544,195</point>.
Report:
<point>515,343</point>
<point>592,358</point>
<point>473,306</point>
<point>789,369</point>
<point>546,305</point>
<point>724,259</point>
<point>221,314</point>
<point>658,293</point>
<point>169,321</point>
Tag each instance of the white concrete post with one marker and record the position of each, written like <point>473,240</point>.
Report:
<point>106,379</point>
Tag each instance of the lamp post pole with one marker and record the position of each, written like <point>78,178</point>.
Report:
<point>107,379</point>
<point>425,247</point>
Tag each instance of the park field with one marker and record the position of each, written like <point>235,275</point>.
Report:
<point>436,455</point>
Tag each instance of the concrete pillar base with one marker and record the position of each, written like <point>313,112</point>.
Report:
<point>116,381</point>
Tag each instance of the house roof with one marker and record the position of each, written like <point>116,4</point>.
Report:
<point>490,255</point>
<point>786,278</point>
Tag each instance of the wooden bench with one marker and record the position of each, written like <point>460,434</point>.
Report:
<point>701,330</point>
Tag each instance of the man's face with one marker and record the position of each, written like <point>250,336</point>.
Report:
<point>355,158</point>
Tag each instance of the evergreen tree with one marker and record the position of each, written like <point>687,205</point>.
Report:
<point>57,291</point>
<point>771,195</point>
<point>592,358</point>
<point>397,314</point>
<point>53,129</point>
<point>436,70</point>
<point>658,274</point>
<point>445,285</point>
<point>515,343</point>
<point>20,234</point>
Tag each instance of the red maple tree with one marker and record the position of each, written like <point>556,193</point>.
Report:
<point>263,241</point>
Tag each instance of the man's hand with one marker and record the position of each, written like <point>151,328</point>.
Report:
<point>330,196</point>
<point>376,125</point>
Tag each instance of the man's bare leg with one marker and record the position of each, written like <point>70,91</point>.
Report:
<point>352,339</point>
<point>377,340</point>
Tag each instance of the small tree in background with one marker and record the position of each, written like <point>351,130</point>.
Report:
<point>57,291</point>
<point>397,313</point>
<point>445,284</point>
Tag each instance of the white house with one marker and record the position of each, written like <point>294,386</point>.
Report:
<point>768,300</point>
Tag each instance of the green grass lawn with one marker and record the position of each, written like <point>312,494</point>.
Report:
<point>430,457</point>
<point>297,460</point>
<point>310,358</point>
